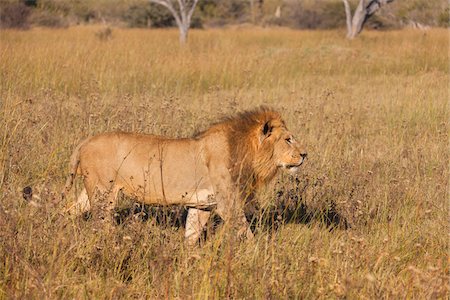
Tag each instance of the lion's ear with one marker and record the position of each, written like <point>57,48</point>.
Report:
<point>266,131</point>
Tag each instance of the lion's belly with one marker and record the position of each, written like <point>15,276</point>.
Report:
<point>196,193</point>
<point>200,197</point>
<point>173,177</point>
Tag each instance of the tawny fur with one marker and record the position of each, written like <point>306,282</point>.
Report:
<point>221,167</point>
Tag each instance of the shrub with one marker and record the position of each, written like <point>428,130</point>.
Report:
<point>148,15</point>
<point>14,15</point>
<point>31,3</point>
<point>46,18</point>
<point>61,7</point>
<point>218,12</point>
<point>444,18</point>
<point>84,12</point>
<point>235,9</point>
<point>316,15</point>
<point>196,21</point>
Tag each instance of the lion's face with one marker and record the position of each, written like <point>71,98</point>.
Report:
<point>288,153</point>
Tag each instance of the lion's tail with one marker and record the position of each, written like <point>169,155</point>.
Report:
<point>73,167</point>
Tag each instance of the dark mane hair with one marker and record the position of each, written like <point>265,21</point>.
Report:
<point>251,163</point>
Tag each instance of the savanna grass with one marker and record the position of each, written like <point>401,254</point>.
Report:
<point>373,113</point>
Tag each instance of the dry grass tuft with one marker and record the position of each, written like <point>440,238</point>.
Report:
<point>373,112</point>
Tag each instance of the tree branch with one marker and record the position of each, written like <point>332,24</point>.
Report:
<point>191,11</point>
<point>167,4</point>
<point>182,14</point>
<point>375,5</point>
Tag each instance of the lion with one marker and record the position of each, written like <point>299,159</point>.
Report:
<point>218,169</point>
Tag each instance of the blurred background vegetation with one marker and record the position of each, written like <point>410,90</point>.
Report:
<point>301,14</point>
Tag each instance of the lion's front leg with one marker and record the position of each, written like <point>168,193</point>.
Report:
<point>231,209</point>
<point>244,229</point>
<point>195,223</point>
<point>232,213</point>
<point>230,206</point>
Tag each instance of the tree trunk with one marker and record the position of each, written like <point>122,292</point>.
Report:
<point>348,15</point>
<point>365,9</point>
<point>359,18</point>
<point>183,34</point>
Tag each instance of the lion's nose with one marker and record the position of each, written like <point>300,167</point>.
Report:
<point>303,154</point>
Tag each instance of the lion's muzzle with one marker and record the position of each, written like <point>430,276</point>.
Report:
<point>293,167</point>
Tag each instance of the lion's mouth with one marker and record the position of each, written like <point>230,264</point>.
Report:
<point>294,166</point>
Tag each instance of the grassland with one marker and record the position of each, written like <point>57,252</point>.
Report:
<point>373,113</point>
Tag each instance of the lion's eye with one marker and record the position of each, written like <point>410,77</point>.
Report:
<point>289,140</point>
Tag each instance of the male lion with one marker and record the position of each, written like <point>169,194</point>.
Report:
<point>219,168</point>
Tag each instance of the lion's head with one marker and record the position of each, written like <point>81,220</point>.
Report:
<point>286,151</point>
<point>260,144</point>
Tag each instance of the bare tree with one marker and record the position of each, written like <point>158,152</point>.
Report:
<point>365,9</point>
<point>182,11</point>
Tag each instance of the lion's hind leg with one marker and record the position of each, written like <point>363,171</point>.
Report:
<point>103,201</point>
<point>82,205</point>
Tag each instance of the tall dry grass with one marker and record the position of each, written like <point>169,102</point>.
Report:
<point>373,113</point>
